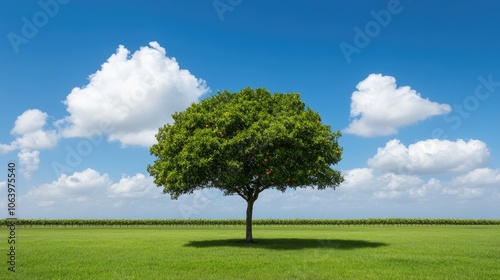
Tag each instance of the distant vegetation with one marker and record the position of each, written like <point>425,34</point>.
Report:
<point>261,222</point>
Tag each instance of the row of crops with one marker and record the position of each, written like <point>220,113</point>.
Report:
<point>259,222</point>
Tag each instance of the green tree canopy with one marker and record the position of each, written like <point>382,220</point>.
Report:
<point>244,143</point>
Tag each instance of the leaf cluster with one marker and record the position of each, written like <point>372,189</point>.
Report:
<point>243,143</point>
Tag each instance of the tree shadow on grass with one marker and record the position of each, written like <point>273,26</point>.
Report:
<point>288,244</point>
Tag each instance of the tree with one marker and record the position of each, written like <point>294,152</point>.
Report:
<point>244,143</point>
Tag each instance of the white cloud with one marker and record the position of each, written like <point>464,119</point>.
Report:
<point>134,187</point>
<point>396,173</point>
<point>381,108</point>
<point>30,121</point>
<point>481,177</point>
<point>37,140</point>
<point>358,178</point>
<point>432,187</point>
<point>7,148</point>
<point>430,156</point>
<point>29,127</point>
<point>87,193</point>
<point>481,182</point>
<point>365,183</point>
<point>127,100</point>
<point>78,187</point>
<point>31,135</point>
<point>131,97</point>
<point>29,161</point>
<point>464,192</point>
<point>365,193</point>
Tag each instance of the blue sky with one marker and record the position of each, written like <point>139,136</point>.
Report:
<point>413,85</point>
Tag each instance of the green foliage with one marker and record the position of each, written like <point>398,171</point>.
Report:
<point>261,222</point>
<point>243,143</point>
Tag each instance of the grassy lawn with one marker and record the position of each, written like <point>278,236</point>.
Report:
<point>280,252</point>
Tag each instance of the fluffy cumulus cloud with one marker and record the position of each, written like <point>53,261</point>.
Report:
<point>131,96</point>
<point>78,193</point>
<point>430,156</point>
<point>481,182</point>
<point>368,185</point>
<point>90,194</point>
<point>6,148</point>
<point>378,185</point>
<point>358,178</point>
<point>31,135</point>
<point>453,171</point>
<point>479,177</point>
<point>430,188</point>
<point>379,107</point>
<point>77,187</point>
<point>134,187</point>
<point>365,193</point>
<point>127,100</point>
<point>29,121</point>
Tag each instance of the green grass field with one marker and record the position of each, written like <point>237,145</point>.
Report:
<point>280,252</point>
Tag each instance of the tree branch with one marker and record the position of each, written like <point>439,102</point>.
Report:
<point>262,188</point>
<point>240,194</point>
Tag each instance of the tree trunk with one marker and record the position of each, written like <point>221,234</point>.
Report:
<point>249,237</point>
